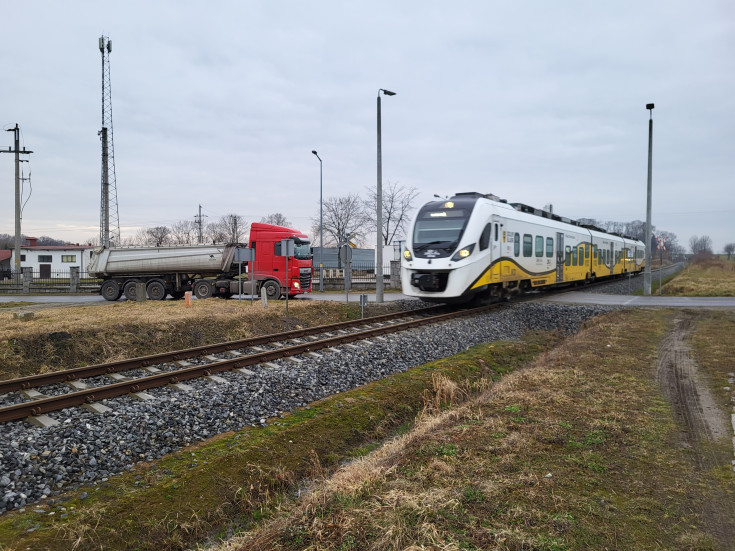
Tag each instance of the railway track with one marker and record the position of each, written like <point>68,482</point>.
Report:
<point>299,342</point>
<point>176,367</point>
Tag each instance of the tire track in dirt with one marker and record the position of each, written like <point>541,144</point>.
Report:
<point>702,422</point>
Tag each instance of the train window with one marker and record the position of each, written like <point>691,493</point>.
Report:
<point>549,247</point>
<point>568,256</point>
<point>517,244</point>
<point>539,246</point>
<point>574,256</point>
<point>485,237</point>
<point>527,244</point>
<point>586,250</point>
<point>496,232</point>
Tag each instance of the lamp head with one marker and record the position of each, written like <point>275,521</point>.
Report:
<point>314,151</point>
<point>387,92</point>
<point>649,106</point>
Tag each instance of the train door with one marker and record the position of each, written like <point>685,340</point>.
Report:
<point>559,257</point>
<point>496,253</point>
<point>612,258</point>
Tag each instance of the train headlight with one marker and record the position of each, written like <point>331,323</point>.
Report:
<point>464,252</point>
<point>407,255</point>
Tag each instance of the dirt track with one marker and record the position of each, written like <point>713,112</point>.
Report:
<point>701,421</point>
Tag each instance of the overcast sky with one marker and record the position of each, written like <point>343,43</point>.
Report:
<point>220,104</point>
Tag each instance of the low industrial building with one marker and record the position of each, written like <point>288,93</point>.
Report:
<point>46,259</point>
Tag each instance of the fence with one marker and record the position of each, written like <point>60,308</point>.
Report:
<point>363,276</point>
<point>35,282</point>
<point>77,281</point>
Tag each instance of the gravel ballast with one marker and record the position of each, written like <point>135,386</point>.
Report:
<point>88,448</point>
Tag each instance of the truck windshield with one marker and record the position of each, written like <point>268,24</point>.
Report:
<point>302,250</point>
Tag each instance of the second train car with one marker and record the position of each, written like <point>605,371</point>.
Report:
<point>477,246</point>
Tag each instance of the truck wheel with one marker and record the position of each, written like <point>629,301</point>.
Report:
<point>129,289</point>
<point>202,289</point>
<point>110,290</point>
<point>156,290</point>
<point>272,290</point>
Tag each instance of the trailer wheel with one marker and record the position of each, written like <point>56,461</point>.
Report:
<point>110,290</point>
<point>156,290</point>
<point>129,289</point>
<point>202,289</point>
<point>272,289</point>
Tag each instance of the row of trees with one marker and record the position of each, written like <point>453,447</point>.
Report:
<point>344,216</point>
<point>354,217</point>
<point>702,246</point>
<point>230,228</point>
<point>637,230</point>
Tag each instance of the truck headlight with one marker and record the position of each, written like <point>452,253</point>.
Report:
<point>296,285</point>
<point>464,252</point>
<point>407,254</point>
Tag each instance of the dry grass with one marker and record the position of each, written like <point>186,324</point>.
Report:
<point>572,453</point>
<point>65,337</point>
<point>711,277</point>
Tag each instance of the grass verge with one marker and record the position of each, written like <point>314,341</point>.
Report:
<point>707,278</point>
<point>62,338</point>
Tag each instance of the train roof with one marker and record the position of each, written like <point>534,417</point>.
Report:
<point>521,207</point>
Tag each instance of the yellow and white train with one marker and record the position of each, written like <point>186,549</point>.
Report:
<point>479,246</point>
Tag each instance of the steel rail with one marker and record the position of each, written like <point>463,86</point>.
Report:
<point>33,381</point>
<point>54,403</point>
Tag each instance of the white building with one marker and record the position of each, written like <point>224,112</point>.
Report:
<point>46,259</point>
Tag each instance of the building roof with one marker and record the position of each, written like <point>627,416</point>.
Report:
<point>5,255</point>
<point>57,247</point>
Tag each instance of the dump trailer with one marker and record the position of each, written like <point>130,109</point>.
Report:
<point>206,270</point>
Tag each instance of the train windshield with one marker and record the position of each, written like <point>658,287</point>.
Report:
<point>439,227</point>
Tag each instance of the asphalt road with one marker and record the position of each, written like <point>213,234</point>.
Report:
<point>91,299</point>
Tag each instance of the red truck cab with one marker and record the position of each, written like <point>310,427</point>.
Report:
<point>270,269</point>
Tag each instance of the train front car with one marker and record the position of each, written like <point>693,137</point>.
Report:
<point>447,251</point>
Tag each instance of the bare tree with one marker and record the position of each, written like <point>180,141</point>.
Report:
<point>184,232</point>
<point>158,235</point>
<point>342,216</point>
<point>700,245</point>
<point>277,219</point>
<point>6,241</point>
<point>397,204</point>
<point>229,229</point>
<point>729,249</point>
<point>316,236</point>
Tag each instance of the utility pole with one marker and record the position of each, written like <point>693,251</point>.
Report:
<point>198,222</point>
<point>109,212</point>
<point>18,153</point>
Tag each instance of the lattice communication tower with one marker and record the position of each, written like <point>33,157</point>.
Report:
<point>109,214</point>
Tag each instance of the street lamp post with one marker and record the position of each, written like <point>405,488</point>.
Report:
<point>647,270</point>
<point>379,216</point>
<point>321,227</point>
